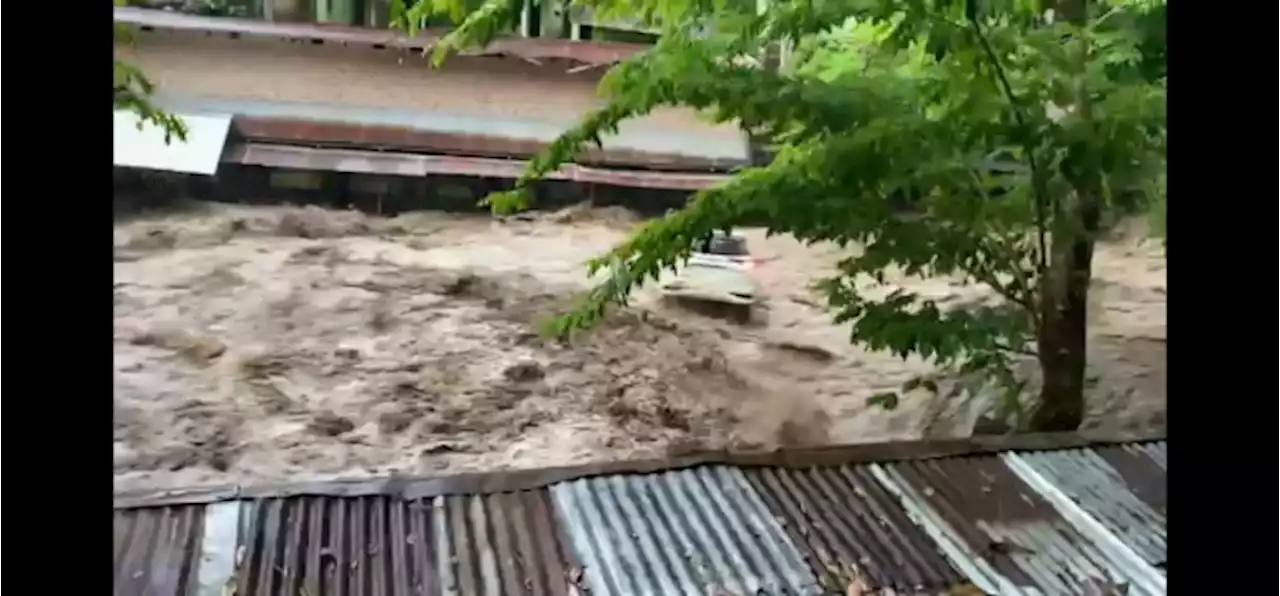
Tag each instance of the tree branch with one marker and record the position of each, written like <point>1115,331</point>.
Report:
<point>1019,351</point>
<point>1038,186</point>
<point>988,277</point>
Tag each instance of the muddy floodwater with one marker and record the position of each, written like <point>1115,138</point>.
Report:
<point>274,344</point>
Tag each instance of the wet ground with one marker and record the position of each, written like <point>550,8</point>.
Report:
<point>272,344</point>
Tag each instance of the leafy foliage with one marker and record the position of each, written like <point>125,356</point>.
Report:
<point>132,92</point>
<point>1014,125</point>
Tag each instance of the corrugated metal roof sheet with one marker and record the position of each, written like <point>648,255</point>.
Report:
<point>155,549</point>
<point>693,532</point>
<point>1003,533</point>
<point>323,545</point>
<point>503,543</point>
<point>219,549</point>
<point>1057,522</point>
<point>1144,468</point>
<point>853,528</point>
<point>142,145</point>
<point>1091,482</point>
<point>1157,451</point>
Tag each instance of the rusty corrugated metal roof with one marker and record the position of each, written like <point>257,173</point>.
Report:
<point>156,549</point>
<point>504,543</point>
<point>1036,523</point>
<point>1007,535</point>
<point>321,545</point>
<point>853,529</point>
<point>594,52</point>
<point>1143,466</point>
<point>1088,480</point>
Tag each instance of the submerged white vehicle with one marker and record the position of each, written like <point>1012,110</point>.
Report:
<point>718,273</point>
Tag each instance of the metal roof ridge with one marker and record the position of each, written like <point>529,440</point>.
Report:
<point>469,483</point>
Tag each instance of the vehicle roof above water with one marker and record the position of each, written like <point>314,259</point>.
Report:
<point>723,243</point>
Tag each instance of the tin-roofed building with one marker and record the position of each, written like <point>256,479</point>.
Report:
<point>1045,514</point>
<point>330,89</point>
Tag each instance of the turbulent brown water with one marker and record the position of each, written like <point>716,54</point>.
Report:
<point>272,344</point>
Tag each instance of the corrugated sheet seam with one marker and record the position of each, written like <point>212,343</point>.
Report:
<point>973,566</point>
<point>679,533</point>
<point>1149,579</point>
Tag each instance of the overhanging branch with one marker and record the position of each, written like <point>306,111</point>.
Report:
<point>1038,187</point>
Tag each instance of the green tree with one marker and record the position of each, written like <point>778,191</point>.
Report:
<point>1017,128</point>
<point>133,92</point>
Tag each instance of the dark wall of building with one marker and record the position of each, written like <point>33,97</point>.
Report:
<point>375,194</point>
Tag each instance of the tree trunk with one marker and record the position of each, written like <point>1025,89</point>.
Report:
<point>1062,339</point>
<point>1064,293</point>
<point>1062,336</point>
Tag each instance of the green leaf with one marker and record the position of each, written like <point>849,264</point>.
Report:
<point>1000,129</point>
